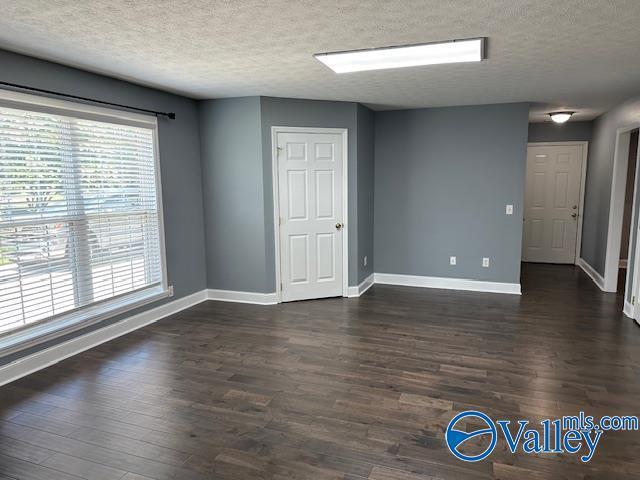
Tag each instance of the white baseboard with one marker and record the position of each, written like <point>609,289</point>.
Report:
<point>447,283</point>
<point>49,356</point>
<point>628,309</point>
<point>242,297</point>
<point>589,270</point>
<point>366,284</point>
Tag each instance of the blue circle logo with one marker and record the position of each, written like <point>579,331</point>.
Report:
<point>456,438</point>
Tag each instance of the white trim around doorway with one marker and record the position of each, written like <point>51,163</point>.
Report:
<point>616,207</point>
<point>345,203</point>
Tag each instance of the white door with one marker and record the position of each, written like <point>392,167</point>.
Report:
<point>310,190</point>
<point>551,203</point>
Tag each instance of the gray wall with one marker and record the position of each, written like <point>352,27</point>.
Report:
<point>232,181</point>
<point>237,184</point>
<point>442,179</point>
<point>179,159</point>
<point>599,175</point>
<point>365,180</point>
<point>291,112</point>
<point>566,132</point>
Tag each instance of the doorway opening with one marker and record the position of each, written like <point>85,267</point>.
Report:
<point>621,262</point>
<point>627,215</point>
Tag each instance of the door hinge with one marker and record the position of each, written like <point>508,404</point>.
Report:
<point>633,300</point>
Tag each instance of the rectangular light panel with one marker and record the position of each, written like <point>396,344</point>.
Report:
<point>469,50</point>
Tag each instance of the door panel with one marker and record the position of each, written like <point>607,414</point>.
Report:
<point>299,258</point>
<point>552,199</point>
<point>326,249</point>
<point>297,194</point>
<point>311,204</point>
<point>325,192</point>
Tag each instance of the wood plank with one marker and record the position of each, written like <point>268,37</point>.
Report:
<point>336,388</point>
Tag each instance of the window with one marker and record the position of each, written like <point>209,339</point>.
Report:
<point>80,222</point>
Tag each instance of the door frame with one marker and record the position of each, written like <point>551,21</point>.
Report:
<point>275,130</point>
<point>616,206</point>
<point>583,182</point>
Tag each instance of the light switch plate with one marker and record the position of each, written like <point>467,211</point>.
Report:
<point>364,261</point>
<point>509,210</point>
<point>485,262</point>
<point>452,260</point>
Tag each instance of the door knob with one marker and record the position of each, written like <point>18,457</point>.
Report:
<point>338,226</point>
<point>574,215</point>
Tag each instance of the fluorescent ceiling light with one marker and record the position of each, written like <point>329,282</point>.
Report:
<point>470,50</point>
<point>560,117</point>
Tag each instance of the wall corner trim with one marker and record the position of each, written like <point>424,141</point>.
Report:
<point>52,355</point>
<point>592,272</point>
<point>242,297</point>
<point>365,285</point>
<point>447,283</point>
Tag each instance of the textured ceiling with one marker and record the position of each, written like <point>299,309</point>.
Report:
<point>575,54</point>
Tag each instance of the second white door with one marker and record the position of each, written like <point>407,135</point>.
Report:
<point>310,191</point>
<point>552,203</point>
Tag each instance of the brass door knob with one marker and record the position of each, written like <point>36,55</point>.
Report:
<point>574,215</point>
<point>338,226</point>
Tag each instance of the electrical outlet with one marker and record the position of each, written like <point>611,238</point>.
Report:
<point>509,210</point>
<point>485,262</point>
<point>364,261</point>
<point>452,260</point>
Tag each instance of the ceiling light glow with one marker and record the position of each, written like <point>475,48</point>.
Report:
<point>469,50</point>
<point>560,117</point>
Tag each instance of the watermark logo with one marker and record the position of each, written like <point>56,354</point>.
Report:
<point>471,436</point>
<point>458,437</point>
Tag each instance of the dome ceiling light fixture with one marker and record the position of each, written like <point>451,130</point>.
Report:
<point>560,117</point>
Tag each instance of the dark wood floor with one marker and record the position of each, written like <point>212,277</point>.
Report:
<point>358,388</point>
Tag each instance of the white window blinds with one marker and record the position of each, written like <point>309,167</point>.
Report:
<point>79,221</point>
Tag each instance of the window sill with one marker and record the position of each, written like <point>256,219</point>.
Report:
<point>46,331</point>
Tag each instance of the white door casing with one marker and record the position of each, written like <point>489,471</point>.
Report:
<point>552,203</point>
<point>616,205</point>
<point>309,201</point>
